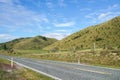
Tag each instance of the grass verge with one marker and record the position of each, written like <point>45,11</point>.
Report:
<point>104,58</point>
<point>19,73</point>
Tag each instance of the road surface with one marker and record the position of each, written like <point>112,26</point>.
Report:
<point>67,71</point>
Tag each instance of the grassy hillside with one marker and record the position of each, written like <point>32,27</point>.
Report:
<point>10,44</point>
<point>103,35</point>
<point>37,42</point>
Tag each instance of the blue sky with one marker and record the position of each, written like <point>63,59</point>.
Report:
<point>52,18</point>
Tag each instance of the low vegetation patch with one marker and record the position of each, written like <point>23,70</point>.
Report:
<point>18,73</point>
<point>103,57</point>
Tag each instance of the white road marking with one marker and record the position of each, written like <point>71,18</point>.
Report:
<point>100,72</point>
<point>84,65</point>
<point>56,78</point>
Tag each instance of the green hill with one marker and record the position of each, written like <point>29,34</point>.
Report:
<point>37,42</point>
<point>103,35</point>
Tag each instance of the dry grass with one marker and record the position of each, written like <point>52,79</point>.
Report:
<point>102,57</point>
<point>19,73</point>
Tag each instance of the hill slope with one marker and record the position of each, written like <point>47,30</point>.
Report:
<point>37,42</point>
<point>105,34</point>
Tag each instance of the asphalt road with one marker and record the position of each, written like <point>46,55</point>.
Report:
<point>67,71</point>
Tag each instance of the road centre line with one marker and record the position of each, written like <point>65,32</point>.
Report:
<point>100,72</point>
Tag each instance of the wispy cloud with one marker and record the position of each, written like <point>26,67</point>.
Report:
<point>58,36</point>
<point>50,5</point>
<point>61,30</point>
<point>17,19</point>
<point>66,24</point>
<point>6,1</point>
<point>107,15</point>
<point>6,37</point>
<point>104,14</point>
<point>114,6</point>
<point>30,17</point>
<point>14,16</point>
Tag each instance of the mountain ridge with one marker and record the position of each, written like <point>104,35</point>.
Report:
<point>37,42</point>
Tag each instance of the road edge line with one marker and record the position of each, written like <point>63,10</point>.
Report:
<point>56,78</point>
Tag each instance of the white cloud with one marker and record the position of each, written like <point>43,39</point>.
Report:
<point>107,15</point>
<point>6,37</point>
<point>115,6</point>
<point>61,30</point>
<point>9,2</point>
<point>66,24</point>
<point>16,15</point>
<point>45,19</point>
<point>40,18</point>
<point>104,14</point>
<point>58,36</point>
